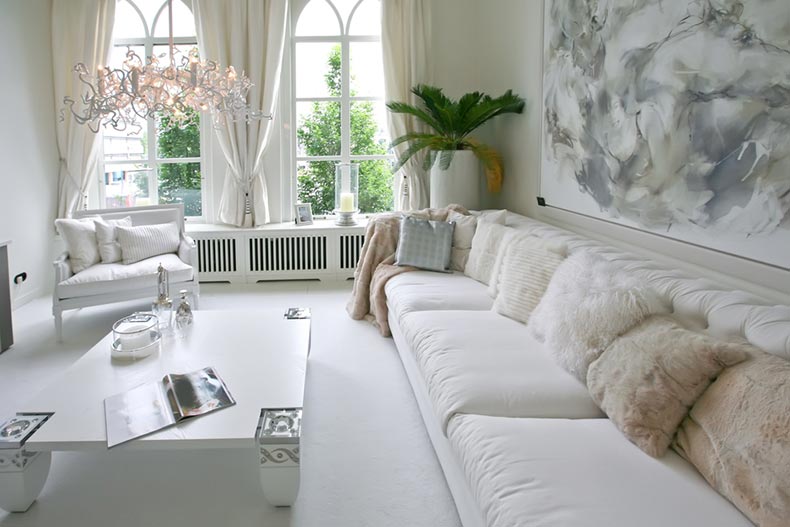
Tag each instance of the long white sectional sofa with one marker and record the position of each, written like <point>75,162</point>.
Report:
<point>520,440</point>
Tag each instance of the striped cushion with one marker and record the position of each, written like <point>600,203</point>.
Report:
<point>528,263</point>
<point>139,243</point>
<point>425,244</point>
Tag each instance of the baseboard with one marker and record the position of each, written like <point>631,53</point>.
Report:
<point>18,301</point>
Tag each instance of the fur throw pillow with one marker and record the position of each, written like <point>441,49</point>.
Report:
<point>588,304</point>
<point>649,378</point>
<point>738,436</point>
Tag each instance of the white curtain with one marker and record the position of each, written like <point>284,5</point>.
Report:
<point>250,36</point>
<point>405,41</point>
<point>81,32</point>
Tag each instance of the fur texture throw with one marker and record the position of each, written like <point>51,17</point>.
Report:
<point>588,303</point>
<point>738,436</point>
<point>649,378</point>
<point>376,264</point>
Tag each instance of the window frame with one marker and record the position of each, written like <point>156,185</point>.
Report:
<point>346,99</point>
<point>152,161</point>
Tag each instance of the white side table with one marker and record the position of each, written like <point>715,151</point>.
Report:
<point>6,329</point>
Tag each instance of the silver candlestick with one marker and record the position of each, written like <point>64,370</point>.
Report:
<point>345,219</point>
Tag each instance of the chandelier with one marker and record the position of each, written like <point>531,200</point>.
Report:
<point>121,97</point>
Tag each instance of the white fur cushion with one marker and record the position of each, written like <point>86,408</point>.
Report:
<point>527,265</point>
<point>107,238</point>
<point>80,239</point>
<point>139,243</point>
<point>588,303</point>
<point>485,246</point>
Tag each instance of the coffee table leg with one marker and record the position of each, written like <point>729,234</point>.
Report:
<point>22,476</point>
<point>278,434</point>
<point>280,473</point>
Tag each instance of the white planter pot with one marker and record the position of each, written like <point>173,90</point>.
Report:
<point>459,184</point>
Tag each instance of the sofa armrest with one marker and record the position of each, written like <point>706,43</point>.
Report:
<point>187,250</point>
<point>62,268</point>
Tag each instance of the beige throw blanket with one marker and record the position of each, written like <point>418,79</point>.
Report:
<point>377,264</point>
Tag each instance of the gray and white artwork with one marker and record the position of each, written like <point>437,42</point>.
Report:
<point>672,116</point>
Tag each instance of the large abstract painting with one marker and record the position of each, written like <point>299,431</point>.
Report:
<point>672,116</point>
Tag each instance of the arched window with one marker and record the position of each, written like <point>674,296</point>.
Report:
<point>158,164</point>
<point>338,87</point>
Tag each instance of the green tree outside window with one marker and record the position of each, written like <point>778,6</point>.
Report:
<point>319,133</point>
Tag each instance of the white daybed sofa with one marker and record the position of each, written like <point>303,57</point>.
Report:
<point>105,283</point>
<point>520,440</point>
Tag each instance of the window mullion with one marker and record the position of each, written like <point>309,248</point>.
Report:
<point>345,104</point>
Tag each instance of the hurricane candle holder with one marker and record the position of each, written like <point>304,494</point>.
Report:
<point>346,193</point>
<point>136,336</point>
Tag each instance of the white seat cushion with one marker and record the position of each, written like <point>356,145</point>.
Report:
<point>424,290</point>
<point>106,278</point>
<point>579,473</point>
<point>480,362</point>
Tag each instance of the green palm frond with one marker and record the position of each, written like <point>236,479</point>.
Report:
<point>451,123</point>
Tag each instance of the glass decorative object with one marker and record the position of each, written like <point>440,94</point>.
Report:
<point>184,316</point>
<point>163,306</point>
<point>136,336</point>
<point>346,193</point>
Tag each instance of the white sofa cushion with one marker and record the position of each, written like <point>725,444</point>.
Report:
<point>144,241</point>
<point>80,239</point>
<point>527,265</point>
<point>107,238</point>
<point>484,363</point>
<point>465,226</point>
<point>95,280</point>
<point>579,473</point>
<point>424,291</point>
<point>485,246</point>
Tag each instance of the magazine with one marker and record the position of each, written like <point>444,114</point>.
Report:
<point>153,406</point>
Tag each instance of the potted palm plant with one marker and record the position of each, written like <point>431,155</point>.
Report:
<point>452,156</point>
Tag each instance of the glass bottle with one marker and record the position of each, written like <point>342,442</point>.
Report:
<point>184,317</point>
<point>163,306</point>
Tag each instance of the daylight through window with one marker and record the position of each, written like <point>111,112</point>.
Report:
<point>339,103</point>
<point>157,164</point>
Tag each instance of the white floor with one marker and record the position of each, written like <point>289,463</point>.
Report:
<point>366,458</point>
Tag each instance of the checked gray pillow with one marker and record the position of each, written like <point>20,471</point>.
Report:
<point>425,244</point>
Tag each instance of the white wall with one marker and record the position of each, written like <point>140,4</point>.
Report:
<point>28,178</point>
<point>501,43</point>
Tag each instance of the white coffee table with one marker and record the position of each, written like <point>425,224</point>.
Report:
<point>261,356</point>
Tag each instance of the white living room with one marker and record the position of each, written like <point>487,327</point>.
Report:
<point>436,263</point>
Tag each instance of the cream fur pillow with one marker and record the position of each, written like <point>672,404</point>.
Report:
<point>527,265</point>
<point>588,303</point>
<point>649,378</point>
<point>738,436</point>
<point>485,246</point>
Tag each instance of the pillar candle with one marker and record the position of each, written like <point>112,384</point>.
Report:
<point>346,202</point>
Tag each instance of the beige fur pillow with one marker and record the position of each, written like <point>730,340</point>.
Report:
<point>648,378</point>
<point>738,436</point>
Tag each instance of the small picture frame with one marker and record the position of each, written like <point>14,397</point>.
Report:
<point>303,213</point>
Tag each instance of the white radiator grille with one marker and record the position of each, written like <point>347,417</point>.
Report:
<point>287,254</point>
<point>217,255</point>
<point>350,246</point>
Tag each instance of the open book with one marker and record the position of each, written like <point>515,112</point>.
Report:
<point>153,406</point>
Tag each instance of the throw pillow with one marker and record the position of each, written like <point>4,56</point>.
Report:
<point>738,436</point>
<point>527,266</point>
<point>485,246</point>
<point>145,241</point>
<point>647,380</point>
<point>492,216</point>
<point>588,303</point>
<point>425,244</point>
<point>107,238</point>
<point>80,239</point>
<point>465,226</point>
